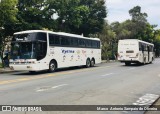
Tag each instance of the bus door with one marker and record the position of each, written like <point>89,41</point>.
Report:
<point>143,52</point>
<point>148,49</point>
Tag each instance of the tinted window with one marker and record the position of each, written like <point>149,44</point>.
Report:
<point>42,36</point>
<point>81,42</point>
<point>88,43</point>
<point>74,42</point>
<point>54,39</point>
<point>140,46</point>
<point>65,41</point>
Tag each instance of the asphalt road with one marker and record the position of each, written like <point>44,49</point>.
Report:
<point>104,84</point>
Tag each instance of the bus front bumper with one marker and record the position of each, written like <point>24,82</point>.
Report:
<point>27,67</point>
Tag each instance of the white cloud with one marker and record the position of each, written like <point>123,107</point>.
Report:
<point>118,10</point>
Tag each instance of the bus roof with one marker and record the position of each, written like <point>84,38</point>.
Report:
<point>57,33</point>
<point>137,40</point>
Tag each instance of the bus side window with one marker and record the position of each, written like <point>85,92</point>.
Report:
<point>140,46</point>
<point>74,42</point>
<point>88,43</point>
<point>82,43</point>
<point>51,39</point>
<point>42,36</point>
<point>143,47</point>
<point>65,41</point>
<point>41,50</point>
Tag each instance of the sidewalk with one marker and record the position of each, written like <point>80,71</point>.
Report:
<point>5,70</point>
<point>154,112</point>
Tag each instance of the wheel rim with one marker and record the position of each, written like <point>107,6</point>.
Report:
<point>88,63</point>
<point>92,63</point>
<point>52,66</point>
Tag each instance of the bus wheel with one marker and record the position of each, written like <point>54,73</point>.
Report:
<point>92,63</point>
<point>144,61</point>
<point>88,63</point>
<point>127,63</point>
<point>52,66</point>
<point>152,60</point>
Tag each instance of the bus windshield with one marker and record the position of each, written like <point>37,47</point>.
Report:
<point>29,50</point>
<point>23,50</point>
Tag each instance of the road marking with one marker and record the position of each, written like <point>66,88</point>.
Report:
<point>48,88</point>
<point>147,99</point>
<point>50,75</point>
<point>24,79</point>
<point>107,74</point>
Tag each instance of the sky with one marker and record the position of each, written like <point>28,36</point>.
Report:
<point>118,10</point>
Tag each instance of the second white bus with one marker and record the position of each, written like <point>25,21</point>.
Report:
<point>135,51</point>
<point>36,50</point>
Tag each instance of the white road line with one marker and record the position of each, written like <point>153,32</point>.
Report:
<point>107,74</point>
<point>48,88</point>
<point>147,99</point>
<point>59,86</point>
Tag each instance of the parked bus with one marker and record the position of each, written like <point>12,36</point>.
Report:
<point>135,51</point>
<point>36,50</point>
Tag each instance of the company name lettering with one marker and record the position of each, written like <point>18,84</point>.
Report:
<point>67,51</point>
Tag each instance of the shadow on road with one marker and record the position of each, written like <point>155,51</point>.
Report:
<point>135,65</point>
<point>46,72</point>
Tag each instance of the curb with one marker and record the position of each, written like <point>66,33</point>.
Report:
<point>7,70</point>
<point>157,102</point>
<point>108,61</point>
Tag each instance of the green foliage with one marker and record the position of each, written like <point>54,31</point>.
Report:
<point>156,42</point>
<point>79,16</point>
<point>108,40</point>
<point>8,12</point>
<point>1,65</point>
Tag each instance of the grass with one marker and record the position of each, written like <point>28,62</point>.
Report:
<point>0,65</point>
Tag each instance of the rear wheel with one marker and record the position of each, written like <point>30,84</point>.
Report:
<point>52,66</point>
<point>144,61</point>
<point>152,60</point>
<point>88,63</point>
<point>127,63</point>
<point>92,63</point>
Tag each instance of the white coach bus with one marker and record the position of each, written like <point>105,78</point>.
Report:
<point>135,51</point>
<point>36,50</point>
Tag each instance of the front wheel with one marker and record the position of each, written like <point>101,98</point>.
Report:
<point>52,66</point>
<point>88,63</point>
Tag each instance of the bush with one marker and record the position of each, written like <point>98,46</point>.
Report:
<point>1,65</point>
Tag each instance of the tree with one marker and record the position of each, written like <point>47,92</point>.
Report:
<point>8,13</point>
<point>32,15</point>
<point>79,16</point>
<point>137,15</point>
<point>156,42</point>
<point>109,42</point>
